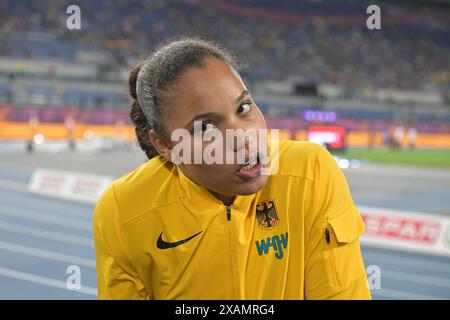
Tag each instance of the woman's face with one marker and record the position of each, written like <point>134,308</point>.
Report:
<point>215,95</point>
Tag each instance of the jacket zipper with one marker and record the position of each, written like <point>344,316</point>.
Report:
<point>229,231</point>
<point>327,235</point>
<point>327,238</point>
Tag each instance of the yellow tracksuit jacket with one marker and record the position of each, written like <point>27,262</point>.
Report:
<point>159,235</point>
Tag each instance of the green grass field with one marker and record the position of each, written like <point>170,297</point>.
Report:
<point>418,157</point>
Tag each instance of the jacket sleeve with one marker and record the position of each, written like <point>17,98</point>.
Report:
<point>116,276</point>
<point>334,267</point>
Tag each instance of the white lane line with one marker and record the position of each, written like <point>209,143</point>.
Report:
<point>43,217</point>
<point>415,278</point>
<point>59,209</point>
<point>46,234</point>
<point>46,254</point>
<point>29,277</point>
<point>403,295</point>
<point>408,262</point>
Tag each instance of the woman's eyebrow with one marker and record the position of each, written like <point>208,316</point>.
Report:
<point>214,114</point>
<point>242,95</point>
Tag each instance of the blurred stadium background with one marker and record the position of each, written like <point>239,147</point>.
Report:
<point>378,99</point>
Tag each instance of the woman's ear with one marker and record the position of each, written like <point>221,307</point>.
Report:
<point>160,145</point>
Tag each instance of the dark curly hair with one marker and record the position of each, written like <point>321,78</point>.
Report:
<point>150,78</point>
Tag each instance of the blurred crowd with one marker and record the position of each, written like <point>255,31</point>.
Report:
<point>312,52</point>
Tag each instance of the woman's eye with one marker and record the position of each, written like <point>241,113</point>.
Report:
<point>207,126</point>
<point>244,108</point>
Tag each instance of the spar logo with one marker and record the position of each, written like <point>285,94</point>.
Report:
<point>277,243</point>
<point>402,228</point>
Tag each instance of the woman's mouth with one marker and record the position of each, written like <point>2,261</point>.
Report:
<point>250,170</point>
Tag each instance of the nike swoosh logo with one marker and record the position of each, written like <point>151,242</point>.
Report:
<point>161,244</point>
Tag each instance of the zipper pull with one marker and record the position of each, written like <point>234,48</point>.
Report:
<point>228,213</point>
<point>327,235</point>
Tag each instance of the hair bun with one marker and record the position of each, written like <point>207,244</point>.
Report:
<point>132,80</point>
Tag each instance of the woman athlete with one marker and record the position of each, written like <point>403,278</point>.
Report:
<point>180,229</point>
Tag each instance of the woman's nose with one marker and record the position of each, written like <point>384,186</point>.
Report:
<point>244,139</point>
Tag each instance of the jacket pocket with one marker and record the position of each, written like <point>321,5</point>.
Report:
<point>342,237</point>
